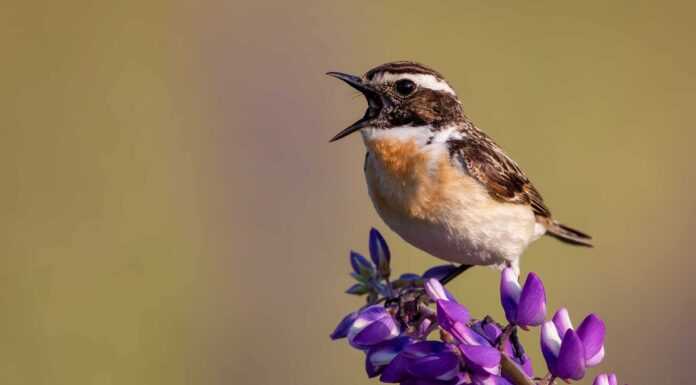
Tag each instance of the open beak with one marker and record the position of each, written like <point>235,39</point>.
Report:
<point>374,102</point>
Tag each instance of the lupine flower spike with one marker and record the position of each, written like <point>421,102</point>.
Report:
<point>393,329</point>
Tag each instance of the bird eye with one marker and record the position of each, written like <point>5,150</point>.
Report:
<point>405,87</point>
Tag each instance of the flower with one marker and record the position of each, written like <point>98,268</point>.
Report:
<point>449,310</point>
<point>426,360</point>
<point>379,252</point>
<point>372,326</point>
<point>341,330</point>
<point>492,333</point>
<point>524,306</point>
<point>605,379</point>
<point>362,268</point>
<point>380,356</point>
<point>567,352</point>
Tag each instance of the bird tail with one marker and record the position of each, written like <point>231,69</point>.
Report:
<point>567,234</point>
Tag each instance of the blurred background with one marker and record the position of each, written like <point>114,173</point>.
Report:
<point>172,211</point>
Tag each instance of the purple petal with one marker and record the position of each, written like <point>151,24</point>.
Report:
<point>531,310</point>
<point>479,379</point>
<point>596,359</point>
<point>380,356</point>
<point>562,321</point>
<point>396,370</point>
<point>443,366</point>
<point>439,272</point>
<point>375,333</point>
<point>571,358</point>
<point>481,359</point>
<point>436,291</point>
<point>601,379</point>
<point>372,326</point>
<point>592,333</point>
<point>426,348</point>
<point>449,312</point>
<point>509,293</point>
<point>550,345</point>
<point>466,335</point>
<point>373,370</point>
<point>613,380</point>
<point>360,264</point>
<point>342,329</point>
<point>409,276</point>
<point>488,330</point>
<point>379,251</point>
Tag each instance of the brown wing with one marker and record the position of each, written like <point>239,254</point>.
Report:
<point>503,178</point>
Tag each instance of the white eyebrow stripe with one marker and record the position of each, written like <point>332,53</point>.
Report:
<point>422,80</point>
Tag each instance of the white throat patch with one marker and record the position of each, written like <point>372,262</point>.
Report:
<point>422,80</point>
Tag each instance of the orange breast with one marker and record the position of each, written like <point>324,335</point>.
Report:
<point>411,181</point>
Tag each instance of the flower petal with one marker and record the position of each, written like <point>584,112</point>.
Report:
<point>488,330</point>
<point>596,359</point>
<point>592,333</point>
<point>379,252</point>
<point>481,359</point>
<point>396,370</point>
<point>342,329</point>
<point>550,345</point>
<point>439,272</point>
<point>466,335</point>
<point>426,348</point>
<point>613,380</point>
<point>372,326</point>
<point>479,379</point>
<point>385,353</point>
<point>531,310</point>
<point>361,265</point>
<point>601,379</point>
<point>449,312</point>
<point>571,358</point>
<point>562,321</point>
<point>443,366</point>
<point>377,332</point>
<point>436,291</point>
<point>509,293</point>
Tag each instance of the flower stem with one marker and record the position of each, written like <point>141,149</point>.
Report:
<point>506,336</point>
<point>513,371</point>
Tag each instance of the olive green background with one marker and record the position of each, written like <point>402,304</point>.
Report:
<point>172,211</point>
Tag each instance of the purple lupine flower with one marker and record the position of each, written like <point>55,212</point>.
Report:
<point>591,332</point>
<point>436,291</point>
<point>361,266</point>
<point>425,360</point>
<point>606,379</point>
<point>524,306</point>
<point>449,310</point>
<point>378,357</point>
<point>379,253</point>
<point>372,326</point>
<point>341,330</point>
<point>492,333</point>
<point>567,352</point>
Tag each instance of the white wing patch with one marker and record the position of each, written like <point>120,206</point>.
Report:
<point>422,80</point>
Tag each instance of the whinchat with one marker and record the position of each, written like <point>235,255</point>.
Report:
<point>437,180</point>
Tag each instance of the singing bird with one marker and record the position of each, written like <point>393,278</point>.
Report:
<point>437,180</point>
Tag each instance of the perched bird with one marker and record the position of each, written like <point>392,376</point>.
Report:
<point>437,180</point>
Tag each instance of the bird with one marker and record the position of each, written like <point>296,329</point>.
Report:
<point>439,181</point>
